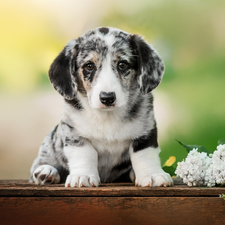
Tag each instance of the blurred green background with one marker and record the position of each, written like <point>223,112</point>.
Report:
<point>189,36</point>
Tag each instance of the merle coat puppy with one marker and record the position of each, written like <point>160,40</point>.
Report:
<point>107,132</point>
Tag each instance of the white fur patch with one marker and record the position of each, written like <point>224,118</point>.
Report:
<point>83,166</point>
<point>147,167</point>
<point>107,125</point>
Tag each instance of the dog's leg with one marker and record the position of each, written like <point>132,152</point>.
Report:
<point>50,165</point>
<point>83,165</point>
<point>147,168</point>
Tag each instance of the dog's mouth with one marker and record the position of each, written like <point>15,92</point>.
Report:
<point>113,107</point>
<point>107,109</point>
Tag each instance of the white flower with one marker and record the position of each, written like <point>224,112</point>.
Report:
<point>216,172</point>
<point>200,170</point>
<point>193,168</point>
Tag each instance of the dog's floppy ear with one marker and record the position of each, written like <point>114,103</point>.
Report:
<point>60,73</point>
<point>150,65</point>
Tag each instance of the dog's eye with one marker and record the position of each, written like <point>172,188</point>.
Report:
<point>89,66</point>
<point>122,65</point>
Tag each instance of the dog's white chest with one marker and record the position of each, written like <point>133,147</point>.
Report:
<point>100,126</point>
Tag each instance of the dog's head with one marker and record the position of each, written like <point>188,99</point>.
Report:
<point>105,64</point>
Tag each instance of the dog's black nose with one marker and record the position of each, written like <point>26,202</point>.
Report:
<point>107,98</point>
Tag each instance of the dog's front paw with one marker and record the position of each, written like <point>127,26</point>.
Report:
<point>75,180</point>
<point>154,180</point>
<point>46,173</point>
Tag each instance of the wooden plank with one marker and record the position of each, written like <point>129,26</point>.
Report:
<point>23,188</point>
<point>111,210</point>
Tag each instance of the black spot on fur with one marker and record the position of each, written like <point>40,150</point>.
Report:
<point>75,103</point>
<point>61,143</point>
<point>80,39</point>
<point>145,141</point>
<point>135,108</point>
<point>53,147</point>
<point>104,51</point>
<point>43,177</point>
<point>73,63</point>
<point>96,45</point>
<point>53,132</point>
<point>60,77</point>
<point>89,75</point>
<point>64,159</point>
<point>118,44</point>
<point>124,165</point>
<point>120,172</point>
<point>149,63</point>
<point>90,33</point>
<point>63,173</point>
<point>72,141</point>
<point>36,174</point>
<point>121,35</point>
<point>124,178</point>
<point>67,139</point>
<point>69,136</point>
<point>104,30</point>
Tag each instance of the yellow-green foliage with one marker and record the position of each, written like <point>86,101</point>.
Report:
<point>27,45</point>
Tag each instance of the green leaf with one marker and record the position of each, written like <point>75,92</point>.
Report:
<point>170,170</point>
<point>222,196</point>
<point>190,147</point>
<point>221,141</point>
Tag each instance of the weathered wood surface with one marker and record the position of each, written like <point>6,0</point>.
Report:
<point>24,203</point>
<point>18,188</point>
<point>111,210</point>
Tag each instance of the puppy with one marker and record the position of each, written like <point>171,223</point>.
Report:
<point>107,131</point>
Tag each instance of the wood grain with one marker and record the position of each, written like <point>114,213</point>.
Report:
<point>24,203</point>
<point>111,210</point>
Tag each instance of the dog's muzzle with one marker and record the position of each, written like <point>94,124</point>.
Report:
<point>107,98</point>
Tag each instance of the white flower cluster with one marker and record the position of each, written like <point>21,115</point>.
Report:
<point>215,174</point>
<point>200,170</point>
<point>193,168</point>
